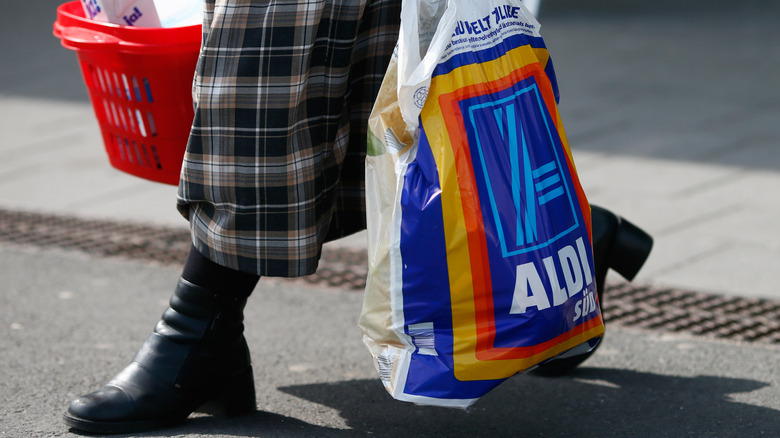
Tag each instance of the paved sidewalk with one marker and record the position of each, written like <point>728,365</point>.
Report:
<point>78,321</point>
<point>672,110</point>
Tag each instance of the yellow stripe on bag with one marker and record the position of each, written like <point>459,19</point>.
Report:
<point>468,365</point>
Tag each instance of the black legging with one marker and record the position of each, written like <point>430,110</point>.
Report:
<point>203,272</point>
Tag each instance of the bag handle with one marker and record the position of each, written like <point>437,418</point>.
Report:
<point>414,68</point>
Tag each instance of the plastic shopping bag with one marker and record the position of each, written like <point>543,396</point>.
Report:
<point>480,257</point>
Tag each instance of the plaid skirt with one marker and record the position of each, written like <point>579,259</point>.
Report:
<point>274,165</point>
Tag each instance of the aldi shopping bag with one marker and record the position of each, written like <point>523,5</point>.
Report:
<point>480,259</point>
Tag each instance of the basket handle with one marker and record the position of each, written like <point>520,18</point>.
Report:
<point>76,38</point>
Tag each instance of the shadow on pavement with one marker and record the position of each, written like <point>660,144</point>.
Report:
<point>592,402</point>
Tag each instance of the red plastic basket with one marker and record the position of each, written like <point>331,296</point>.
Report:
<point>140,85</point>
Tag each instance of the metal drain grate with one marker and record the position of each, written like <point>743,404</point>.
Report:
<point>344,268</point>
<point>664,309</point>
<point>735,318</point>
<point>96,237</point>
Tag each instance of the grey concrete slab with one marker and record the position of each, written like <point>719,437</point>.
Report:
<point>54,161</point>
<point>668,74</point>
<point>69,322</point>
<point>699,216</point>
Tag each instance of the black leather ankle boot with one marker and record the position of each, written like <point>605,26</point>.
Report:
<point>619,245</point>
<point>197,357</point>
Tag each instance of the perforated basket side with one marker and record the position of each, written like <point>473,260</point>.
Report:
<point>144,111</point>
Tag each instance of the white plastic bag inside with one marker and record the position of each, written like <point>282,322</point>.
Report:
<point>145,13</point>
<point>139,13</point>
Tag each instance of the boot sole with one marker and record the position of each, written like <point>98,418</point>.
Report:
<point>236,398</point>
<point>106,427</point>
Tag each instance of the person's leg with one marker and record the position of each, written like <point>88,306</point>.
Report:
<point>200,270</point>
<point>196,356</point>
<point>265,164</point>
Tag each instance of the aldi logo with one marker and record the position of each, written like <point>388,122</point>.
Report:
<point>492,191</point>
<point>517,165</point>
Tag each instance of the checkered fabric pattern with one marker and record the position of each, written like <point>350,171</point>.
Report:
<point>275,161</point>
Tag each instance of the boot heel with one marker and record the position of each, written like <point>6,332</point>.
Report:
<point>236,398</point>
<point>630,249</point>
